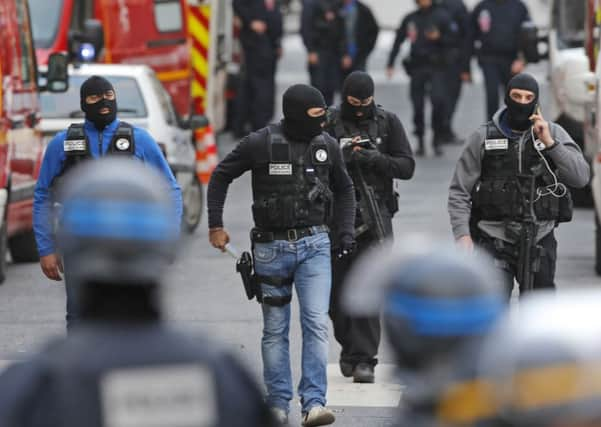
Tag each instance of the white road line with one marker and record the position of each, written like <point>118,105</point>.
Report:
<point>385,393</point>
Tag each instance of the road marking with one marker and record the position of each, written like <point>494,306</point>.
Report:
<point>385,393</point>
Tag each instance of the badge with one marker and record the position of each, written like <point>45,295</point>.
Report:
<point>321,155</point>
<point>122,144</point>
<point>280,169</point>
<point>496,144</point>
<point>74,145</point>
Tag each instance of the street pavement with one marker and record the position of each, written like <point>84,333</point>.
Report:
<point>203,294</point>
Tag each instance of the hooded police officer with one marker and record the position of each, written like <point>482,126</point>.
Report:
<point>377,151</point>
<point>101,134</point>
<point>297,176</point>
<point>438,304</point>
<point>511,178</point>
<point>121,365</point>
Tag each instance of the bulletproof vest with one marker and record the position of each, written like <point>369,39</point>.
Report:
<point>77,145</point>
<point>377,133</point>
<point>291,190</point>
<point>499,196</point>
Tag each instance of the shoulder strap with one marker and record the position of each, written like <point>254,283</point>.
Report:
<point>493,132</point>
<point>76,141</point>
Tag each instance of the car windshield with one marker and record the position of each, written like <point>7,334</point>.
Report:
<point>45,18</point>
<point>130,102</point>
<point>569,17</point>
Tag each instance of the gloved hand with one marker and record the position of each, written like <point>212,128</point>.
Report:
<point>347,246</point>
<point>365,156</point>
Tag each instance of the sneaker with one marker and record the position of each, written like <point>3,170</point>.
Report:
<point>346,369</point>
<point>279,416</point>
<point>364,373</point>
<point>318,416</point>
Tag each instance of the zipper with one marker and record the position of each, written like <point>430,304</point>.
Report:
<point>100,144</point>
<point>520,146</point>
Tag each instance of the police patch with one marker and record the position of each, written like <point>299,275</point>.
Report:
<point>321,155</point>
<point>122,144</point>
<point>74,145</point>
<point>280,169</point>
<point>496,144</point>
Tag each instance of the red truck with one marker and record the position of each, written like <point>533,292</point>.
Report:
<point>20,139</point>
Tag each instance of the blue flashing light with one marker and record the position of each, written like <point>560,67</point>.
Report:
<point>87,52</point>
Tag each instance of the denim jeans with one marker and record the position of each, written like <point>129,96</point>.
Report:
<point>307,261</point>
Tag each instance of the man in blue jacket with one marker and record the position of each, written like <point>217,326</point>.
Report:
<point>101,134</point>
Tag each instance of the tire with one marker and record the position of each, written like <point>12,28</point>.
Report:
<point>597,245</point>
<point>23,247</point>
<point>3,250</point>
<point>193,198</point>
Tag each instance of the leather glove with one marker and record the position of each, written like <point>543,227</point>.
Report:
<point>365,156</point>
<point>347,246</point>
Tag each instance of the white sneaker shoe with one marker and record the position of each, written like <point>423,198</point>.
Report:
<point>318,416</point>
<point>279,415</point>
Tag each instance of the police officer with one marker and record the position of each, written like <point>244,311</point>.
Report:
<point>260,37</point>
<point>456,57</point>
<point>101,134</point>
<point>377,150</point>
<point>297,175</point>
<point>496,26</point>
<point>325,40</point>
<point>121,364</point>
<point>361,32</point>
<point>437,304</point>
<point>489,202</point>
<point>431,32</point>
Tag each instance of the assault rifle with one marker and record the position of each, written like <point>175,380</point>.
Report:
<point>367,204</point>
<point>528,250</point>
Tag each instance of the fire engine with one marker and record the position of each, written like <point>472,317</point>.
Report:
<point>20,139</point>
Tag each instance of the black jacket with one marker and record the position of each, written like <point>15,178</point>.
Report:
<point>251,10</point>
<point>461,17</point>
<point>319,34</point>
<point>415,26</point>
<point>366,33</point>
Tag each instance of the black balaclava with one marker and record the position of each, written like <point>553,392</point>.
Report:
<point>298,125</point>
<point>518,115</point>
<point>97,85</point>
<point>359,85</point>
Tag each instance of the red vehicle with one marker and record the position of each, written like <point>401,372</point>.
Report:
<point>20,140</point>
<point>150,32</point>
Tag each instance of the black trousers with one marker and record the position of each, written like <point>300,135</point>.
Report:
<point>497,73</point>
<point>256,99</point>
<point>506,261</point>
<point>454,83</point>
<point>429,81</point>
<point>325,75</point>
<point>359,337</point>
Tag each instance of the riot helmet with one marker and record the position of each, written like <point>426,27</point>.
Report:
<point>118,231</point>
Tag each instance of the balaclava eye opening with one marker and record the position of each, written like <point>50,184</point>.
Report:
<point>359,85</point>
<point>298,125</point>
<point>97,85</point>
<point>518,114</point>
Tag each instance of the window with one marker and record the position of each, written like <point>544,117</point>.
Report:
<point>168,16</point>
<point>45,18</point>
<point>165,101</point>
<point>24,43</point>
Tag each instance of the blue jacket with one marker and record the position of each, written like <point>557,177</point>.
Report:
<point>146,149</point>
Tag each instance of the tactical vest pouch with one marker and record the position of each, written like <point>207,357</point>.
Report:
<point>76,142</point>
<point>123,140</point>
<point>566,208</point>
<point>547,208</point>
<point>276,213</point>
<point>496,200</point>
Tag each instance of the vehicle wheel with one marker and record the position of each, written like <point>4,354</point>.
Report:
<point>3,249</point>
<point>193,197</point>
<point>23,247</point>
<point>598,245</point>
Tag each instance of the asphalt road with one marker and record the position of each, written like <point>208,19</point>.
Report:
<point>204,295</point>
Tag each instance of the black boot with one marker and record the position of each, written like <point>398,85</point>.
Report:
<point>436,144</point>
<point>363,373</point>
<point>420,152</point>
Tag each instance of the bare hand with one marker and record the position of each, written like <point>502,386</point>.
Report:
<point>389,72</point>
<point>313,58</point>
<point>258,26</point>
<point>52,266</point>
<point>433,35</point>
<point>466,243</point>
<point>219,238</point>
<point>466,77</point>
<point>347,62</point>
<point>541,129</point>
<point>330,16</point>
<point>517,66</point>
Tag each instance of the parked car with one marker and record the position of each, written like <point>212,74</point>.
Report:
<point>141,101</point>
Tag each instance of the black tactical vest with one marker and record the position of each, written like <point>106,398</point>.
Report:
<point>377,133</point>
<point>77,145</point>
<point>499,196</point>
<point>291,191</point>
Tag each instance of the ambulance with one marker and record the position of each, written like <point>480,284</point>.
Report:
<point>20,138</point>
<point>188,43</point>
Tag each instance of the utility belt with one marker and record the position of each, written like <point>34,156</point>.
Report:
<point>291,235</point>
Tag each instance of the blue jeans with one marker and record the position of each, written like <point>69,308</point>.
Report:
<point>308,262</point>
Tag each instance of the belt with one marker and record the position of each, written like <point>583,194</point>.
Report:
<point>291,235</point>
